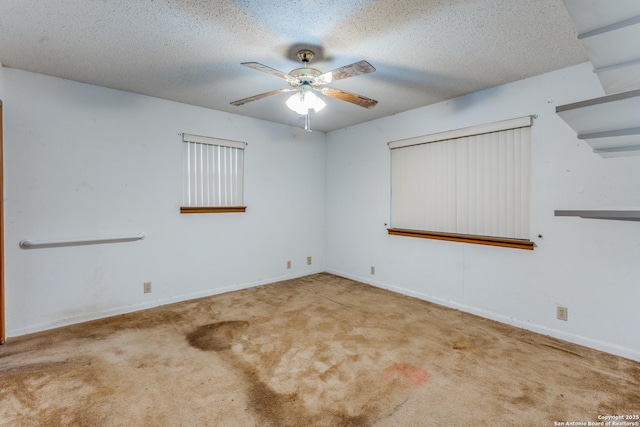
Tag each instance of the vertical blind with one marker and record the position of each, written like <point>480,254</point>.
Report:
<point>213,171</point>
<point>473,181</point>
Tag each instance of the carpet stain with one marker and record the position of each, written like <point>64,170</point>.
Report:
<point>271,407</point>
<point>284,410</point>
<point>216,336</point>
<point>25,388</point>
<point>563,349</point>
<point>407,375</point>
<point>293,369</point>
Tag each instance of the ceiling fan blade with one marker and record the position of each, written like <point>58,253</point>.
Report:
<point>351,70</point>
<point>353,98</point>
<point>268,70</point>
<point>262,95</point>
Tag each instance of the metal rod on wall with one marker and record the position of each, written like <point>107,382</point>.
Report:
<point>33,244</point>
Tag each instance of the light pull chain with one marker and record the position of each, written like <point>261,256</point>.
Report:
<point>307,122</point>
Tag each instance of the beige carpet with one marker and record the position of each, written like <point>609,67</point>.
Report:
<point>315,351</point>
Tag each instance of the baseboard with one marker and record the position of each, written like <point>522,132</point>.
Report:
<point>116,311</point>
<point>565,336</point>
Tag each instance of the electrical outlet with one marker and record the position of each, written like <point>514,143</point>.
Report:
<point>288,264</point>
<point>147,287</point>
<point>308,260</point>
<point>373,270</point>
<point>562,313</point>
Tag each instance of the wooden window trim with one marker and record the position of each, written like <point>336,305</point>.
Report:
<point>464,238</point>
<point>211,209</point>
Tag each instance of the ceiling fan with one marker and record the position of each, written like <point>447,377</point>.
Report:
<point>305,80</point>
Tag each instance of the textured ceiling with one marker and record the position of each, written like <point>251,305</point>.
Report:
<point>190,51</point>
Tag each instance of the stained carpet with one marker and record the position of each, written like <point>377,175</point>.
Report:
<point>315,351</point>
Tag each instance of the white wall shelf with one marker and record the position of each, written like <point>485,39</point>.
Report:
<point>622,215</point>
<point>610,124</point>
<point>609,31</point>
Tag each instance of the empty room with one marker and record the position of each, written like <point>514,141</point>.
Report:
<point>366,213</point>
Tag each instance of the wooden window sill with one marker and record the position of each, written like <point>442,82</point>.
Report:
<point>464,238</point>
<point>211,209</point>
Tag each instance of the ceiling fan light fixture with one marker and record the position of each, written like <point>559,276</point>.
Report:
<point>304,100</point>
<point>314,101</point>
<point>295,103</point>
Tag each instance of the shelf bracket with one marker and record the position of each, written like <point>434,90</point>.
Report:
<point>602,214</point>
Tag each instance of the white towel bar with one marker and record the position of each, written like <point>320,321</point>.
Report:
<point>32,244</point>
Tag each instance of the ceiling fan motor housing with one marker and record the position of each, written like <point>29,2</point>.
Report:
<point>303,76</point>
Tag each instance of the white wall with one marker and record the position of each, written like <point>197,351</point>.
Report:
<point>590,266</point>
<point>81,160</point>
<point>84,161</point>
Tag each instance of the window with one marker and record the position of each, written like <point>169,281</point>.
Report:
<point>470,185</point>
<point>213,175</point>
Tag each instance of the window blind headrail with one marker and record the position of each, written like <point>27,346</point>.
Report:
<point>516,123</point>
<point>187,137</point>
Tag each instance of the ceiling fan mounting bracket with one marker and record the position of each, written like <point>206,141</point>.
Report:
<point>305,55</point>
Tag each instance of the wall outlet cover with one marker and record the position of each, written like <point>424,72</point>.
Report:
<point>562,313</point>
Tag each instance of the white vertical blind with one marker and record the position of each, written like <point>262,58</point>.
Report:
<point>213,171</point>
<point>476,184</point>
